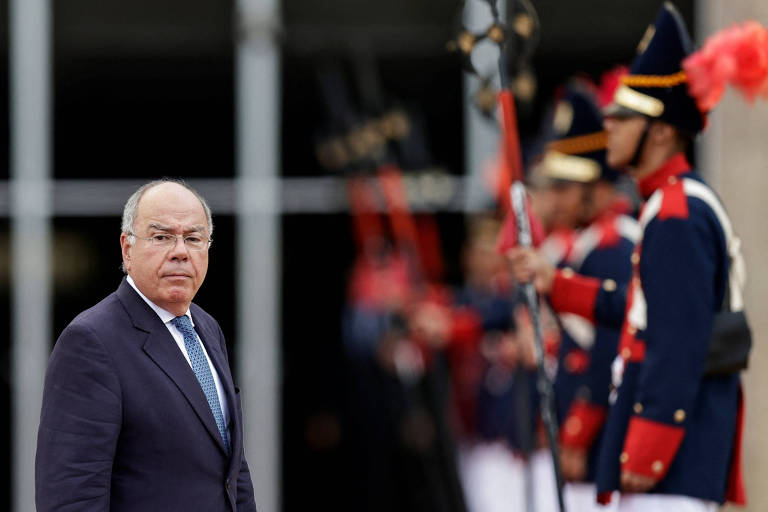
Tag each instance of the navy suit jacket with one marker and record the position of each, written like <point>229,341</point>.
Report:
<point>125,425</point>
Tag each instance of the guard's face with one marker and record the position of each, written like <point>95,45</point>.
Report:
<point>569,204</point>
<point>168,276</point>
<point>623,136</point>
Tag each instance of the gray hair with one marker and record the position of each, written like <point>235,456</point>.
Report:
<point>132,205</point>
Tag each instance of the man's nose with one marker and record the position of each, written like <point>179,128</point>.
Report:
<point>179,249</point>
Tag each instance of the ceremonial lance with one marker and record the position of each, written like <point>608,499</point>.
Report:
<point>513,182</point>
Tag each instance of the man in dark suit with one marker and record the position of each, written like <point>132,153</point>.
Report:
<point>139,410</point>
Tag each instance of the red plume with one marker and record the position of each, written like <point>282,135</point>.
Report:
<point>738,56</point>
<point>609,82</point>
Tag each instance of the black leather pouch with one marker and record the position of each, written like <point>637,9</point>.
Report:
<point>729,345</point>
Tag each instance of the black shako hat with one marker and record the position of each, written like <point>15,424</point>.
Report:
<point>656,84</point>
<point>577,149</point>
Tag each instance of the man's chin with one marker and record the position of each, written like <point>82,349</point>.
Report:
<point>619,164</point>
<point>179,294</point>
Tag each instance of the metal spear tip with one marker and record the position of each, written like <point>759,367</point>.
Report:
<point>466,42</point>
<point>496,33</point>
<point>523,25</point>
<point>524,85</point>
<point>486,98</point>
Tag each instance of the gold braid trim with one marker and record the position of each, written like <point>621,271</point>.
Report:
<point>579,144</point>
<point>654,80</point>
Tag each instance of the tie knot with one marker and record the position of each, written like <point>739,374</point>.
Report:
<point>183,324</point>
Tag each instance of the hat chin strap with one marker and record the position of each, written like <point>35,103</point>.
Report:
<point>640,144</point>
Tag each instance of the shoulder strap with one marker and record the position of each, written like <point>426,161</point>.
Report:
<point>737,273</point>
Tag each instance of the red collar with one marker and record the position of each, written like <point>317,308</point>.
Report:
<point>621,205</point>
<point>675,166</point>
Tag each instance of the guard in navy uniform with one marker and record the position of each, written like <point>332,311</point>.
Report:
<point>576,167</point>
<point>487,373</point>
<point>672,436</point>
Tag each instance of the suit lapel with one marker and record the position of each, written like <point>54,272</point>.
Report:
<point>161,348</point>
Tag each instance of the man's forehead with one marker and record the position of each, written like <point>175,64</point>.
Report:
<point>171,201</point>
<point>169,191</point>
<point>174,226</point>
<point>170,218</point>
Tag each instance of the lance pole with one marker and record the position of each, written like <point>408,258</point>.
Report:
<point>517,197</point>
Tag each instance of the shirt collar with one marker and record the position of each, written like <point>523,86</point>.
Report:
<point>673,167</point>
<point>165,315</point>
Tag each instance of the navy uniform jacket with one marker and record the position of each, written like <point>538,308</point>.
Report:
<point>669,421</point>
<point>495,398</point>
<point>583,379</point>
<point>125,425</point>
<point>505,405</point>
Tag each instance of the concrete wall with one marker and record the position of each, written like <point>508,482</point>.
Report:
<point>734,156</point>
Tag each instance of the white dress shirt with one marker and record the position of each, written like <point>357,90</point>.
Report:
<point>166,317</point>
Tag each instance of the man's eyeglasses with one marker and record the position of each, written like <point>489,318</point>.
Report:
<point>193,242</point>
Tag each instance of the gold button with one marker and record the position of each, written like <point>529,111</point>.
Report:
<point>626,353</point>
<point>657,467</point>
<point>672,180</point>
<point>624,457</point>
<point>609,285</point>
<point>567,272</point>
<point>632,330</point>
<point>638,408</point>
<point>635,258</point>
<point>679,416</point>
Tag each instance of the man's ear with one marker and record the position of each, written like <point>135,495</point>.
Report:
<point>125,248</point>
<point>662,133</point>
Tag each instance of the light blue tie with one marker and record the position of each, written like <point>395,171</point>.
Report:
<point>202,372</point>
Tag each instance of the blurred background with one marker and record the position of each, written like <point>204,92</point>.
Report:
<point>242,99</point>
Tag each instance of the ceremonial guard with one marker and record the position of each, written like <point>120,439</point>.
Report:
<point>486,368</point>
<point>672,436</point>
<point>604,239</point>
<point>675,428</point>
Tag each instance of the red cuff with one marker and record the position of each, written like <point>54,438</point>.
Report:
<point>581,426</point>
<point>650,447</point>
<point>574,293</point>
